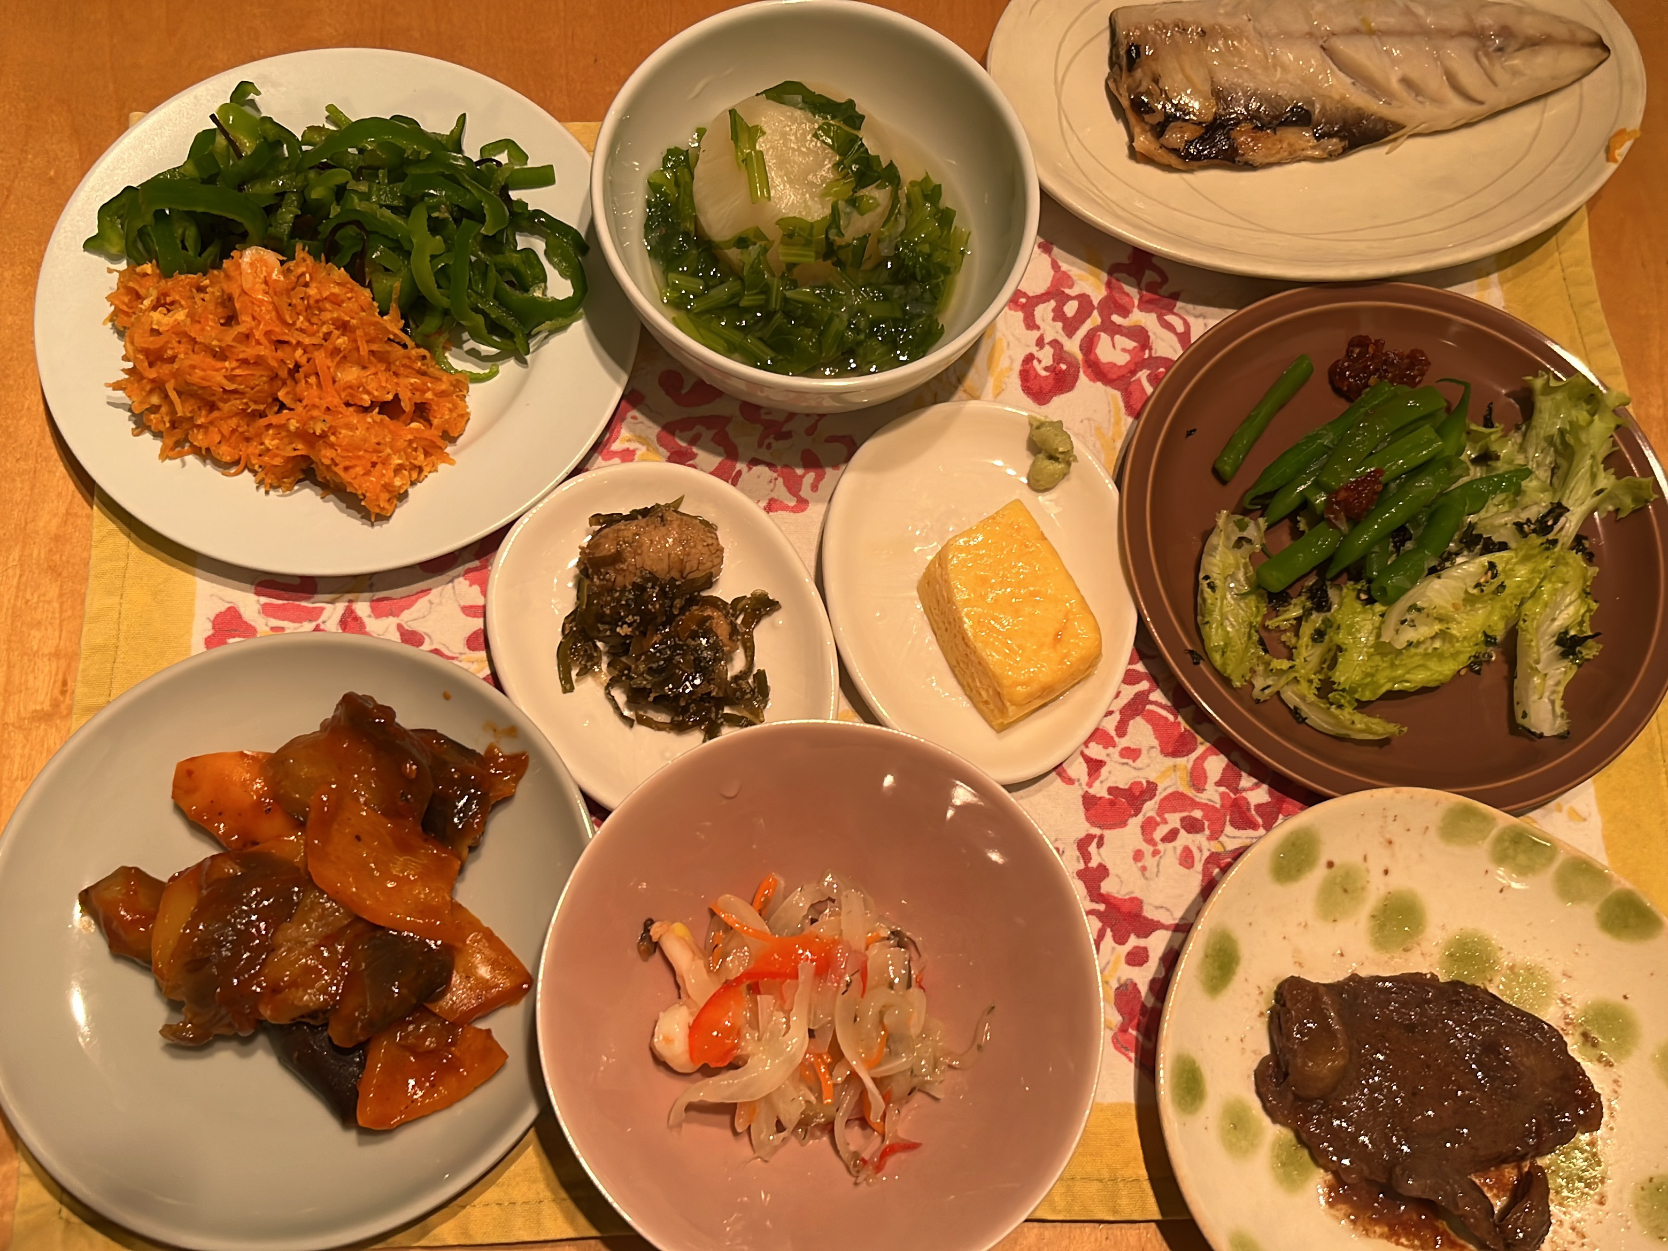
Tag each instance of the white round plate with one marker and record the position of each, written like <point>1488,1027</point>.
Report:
<point>528,427</point>
<point>921,480</point>
<point>531,591</point>
<point>1399,881</point>
<point>1432,201</point>
<point>219,1147</point>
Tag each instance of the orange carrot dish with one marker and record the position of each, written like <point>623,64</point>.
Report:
<point>285,368</point>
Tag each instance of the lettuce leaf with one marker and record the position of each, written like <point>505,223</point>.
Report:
<point>1565,442</point>
<point>1313,659</point>
<point>1554,639</point>
<point>1230,603</point>
<point>1448,622</point>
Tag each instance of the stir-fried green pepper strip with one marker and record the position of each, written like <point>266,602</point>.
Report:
<point>1278,395</point>
<point>425,228</point>
<point>1442,523</point>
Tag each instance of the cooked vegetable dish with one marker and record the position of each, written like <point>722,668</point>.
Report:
<point>416,221</point>
<point>1415,1087</point>
<point>285,368</point>
<point>329,918</point>
<point>1448,534</point>
<point>785,242</point>
<point>643,618</point>
<point>807,1004</point>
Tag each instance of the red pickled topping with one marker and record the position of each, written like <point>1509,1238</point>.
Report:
<point>1366,360</point>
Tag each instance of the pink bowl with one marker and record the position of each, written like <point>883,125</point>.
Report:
<point>950,856</point>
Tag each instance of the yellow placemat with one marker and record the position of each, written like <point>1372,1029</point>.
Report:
<point>144,595</point>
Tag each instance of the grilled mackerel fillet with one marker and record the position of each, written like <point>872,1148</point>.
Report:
<point>1263,82</point>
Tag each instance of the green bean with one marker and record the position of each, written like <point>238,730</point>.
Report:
<point>1406,454</point>
<point>1251,429</point>
<point>1406,570</point>
<point>1287,566</point>
<point>1378,560</point>
<point>1362,438</point>
<point>1296,458</point>
<point>1395,508</point>
<point>1287,499</point>
<point>1476,493</point>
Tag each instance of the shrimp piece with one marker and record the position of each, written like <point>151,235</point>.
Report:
<point>695,981</point>
<point>671,1037</point>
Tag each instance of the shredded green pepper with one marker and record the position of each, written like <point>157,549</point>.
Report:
<point>422,226</point>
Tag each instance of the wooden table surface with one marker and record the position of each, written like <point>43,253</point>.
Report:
<point>71,71</point>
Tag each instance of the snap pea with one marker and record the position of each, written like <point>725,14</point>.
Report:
<point>1406,454</point>
<point>1290,564</point>
<point>1296,458</point>
<point>1395,508</point>
<point>1251,429</point>
<point>414,220</point>
<point>1289,497</point>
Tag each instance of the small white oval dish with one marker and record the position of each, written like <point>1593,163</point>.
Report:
<point>218,1147</point>
<point>921,480</point>
<point>531,591</point>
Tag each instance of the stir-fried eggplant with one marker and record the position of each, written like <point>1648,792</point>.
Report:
<point>330,916</point>
<point>330,1071</point>
<point>642,616</point>
<point>466,785</point>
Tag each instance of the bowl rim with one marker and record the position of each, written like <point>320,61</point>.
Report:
<point>1004,799</point>
<point>652,312</point>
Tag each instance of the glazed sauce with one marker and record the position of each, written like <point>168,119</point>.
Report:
<point>1369,1212</point>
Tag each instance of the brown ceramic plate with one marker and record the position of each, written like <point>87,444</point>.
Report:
<point>950,856</point>
<point>1460,737</point>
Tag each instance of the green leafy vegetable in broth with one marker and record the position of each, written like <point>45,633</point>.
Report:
<point>412,218</point>
<point>805,252</point>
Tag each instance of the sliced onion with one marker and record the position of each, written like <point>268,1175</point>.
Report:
<point>845,1104</point>
<point>767,1068</point>
<point>845,1030</point>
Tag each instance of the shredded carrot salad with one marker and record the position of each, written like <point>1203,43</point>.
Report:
<point>284,367</point>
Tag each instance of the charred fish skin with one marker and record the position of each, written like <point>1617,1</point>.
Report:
<point>1267,82</point>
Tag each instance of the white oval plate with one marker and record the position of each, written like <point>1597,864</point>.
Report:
<point>531,591</point>
<point>1501,903</point>
<point>220,1147</point>
<point>1433,201</point>
<point>527,428</point>
<point>921,480</point>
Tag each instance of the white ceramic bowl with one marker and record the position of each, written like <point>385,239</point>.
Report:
<point>909,79</point>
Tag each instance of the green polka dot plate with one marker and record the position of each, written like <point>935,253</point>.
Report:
<point>1398,881</point>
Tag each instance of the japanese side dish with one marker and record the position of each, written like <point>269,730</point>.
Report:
<point>672,657</point>
<point>787,239</point>
<point>1008,616</point>
<point>807,1005</point>
<point>1425,1096</point>
<point>1263,82</point>
<point>289,301</point>
<point>328,920</point>
<point>1426,540</point>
